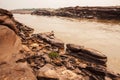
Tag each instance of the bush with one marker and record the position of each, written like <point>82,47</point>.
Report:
<point>54,55</point>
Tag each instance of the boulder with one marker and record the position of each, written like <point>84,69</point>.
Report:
<point>90,55</point>
<point>70,75</point>
<point>49,37</point>
<point>73,47</point>
<point>19,71</point>
<point>92,52</point>
<point>9,43</point>
<point>47,73</point>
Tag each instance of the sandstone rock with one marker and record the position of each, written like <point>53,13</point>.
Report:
<point>9,43</point>
<point>47,72</point>
<point>86,54</point>
<point>92,52</point>
<point>74,47</point>
<point>52,40</point>
<point>16,72</point>
<point>7,19</point>
<point>69,75</point>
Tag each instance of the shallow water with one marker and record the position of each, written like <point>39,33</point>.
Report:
<point>101,35</point>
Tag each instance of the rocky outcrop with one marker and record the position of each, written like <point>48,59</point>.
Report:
<point>10,46</point>
<point>90,54</point>
<point>50,38</point>
<point>83,12</point>
<point>6,18</point>
<point>9,43</point>
<point>16,72</point>
<point>44,57</point>
<point>48,72</point>
<point>77,62</point>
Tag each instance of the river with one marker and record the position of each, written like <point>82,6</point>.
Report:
<point>103,36</point>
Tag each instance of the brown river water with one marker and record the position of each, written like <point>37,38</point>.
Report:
<point>103,36</point>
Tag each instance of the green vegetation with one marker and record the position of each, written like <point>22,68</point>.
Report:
<point>53,55</point>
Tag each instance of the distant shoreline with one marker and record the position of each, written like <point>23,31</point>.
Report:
<point>109,13</point>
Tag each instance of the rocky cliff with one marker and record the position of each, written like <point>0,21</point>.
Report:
<point>83,12</point>
<point>28,56</point>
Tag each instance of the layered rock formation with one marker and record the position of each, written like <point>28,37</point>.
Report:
<point>10,46</point>
<point>83,12</point>
<point>9,41</point>
<point>44,57</point>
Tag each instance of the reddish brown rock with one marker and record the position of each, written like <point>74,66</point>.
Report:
<point>6,18</point>
<point>89,55</point>
<point>10,46</point>
<point>51,39</point>
<point>9,43</point>
<point>17,71</point>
